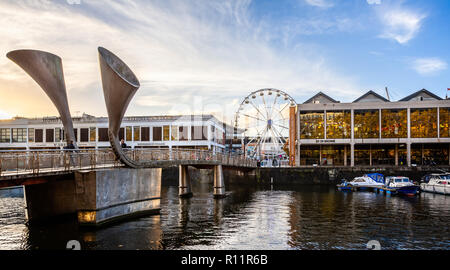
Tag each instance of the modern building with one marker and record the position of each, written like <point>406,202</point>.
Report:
<point>373,131</point>
<point>183,131</point>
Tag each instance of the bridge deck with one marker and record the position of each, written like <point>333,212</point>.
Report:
<point>38,163</point>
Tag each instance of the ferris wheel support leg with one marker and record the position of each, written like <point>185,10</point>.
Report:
<point>184,189</point>
<point>219,183</point>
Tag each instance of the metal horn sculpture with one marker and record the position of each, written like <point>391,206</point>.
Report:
<point>119,86</point>
<point>46,69</point>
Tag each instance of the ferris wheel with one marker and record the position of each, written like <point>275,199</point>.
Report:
<point>264,117</point>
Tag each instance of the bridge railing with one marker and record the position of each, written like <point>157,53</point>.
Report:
<point>41,161</point>
<point>47,161</point>
<point>190,155</point>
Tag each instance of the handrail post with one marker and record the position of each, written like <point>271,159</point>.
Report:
<point>66,166</point>
<point>17,162</point>
<point>38,162</point>
<point>93,156</point>
<point>52,164</point>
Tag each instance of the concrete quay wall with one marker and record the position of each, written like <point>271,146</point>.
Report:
<point>332,176</point>
<point>296,176</point>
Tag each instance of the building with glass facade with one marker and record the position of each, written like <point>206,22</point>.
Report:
<point>373,131</point>
<point>188,131</point>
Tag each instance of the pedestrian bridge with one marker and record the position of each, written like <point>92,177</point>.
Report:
<point>33,163</point>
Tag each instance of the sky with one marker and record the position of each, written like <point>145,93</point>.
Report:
<point>205,56</point>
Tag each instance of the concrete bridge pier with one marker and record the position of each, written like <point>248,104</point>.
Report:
<point>107,195</point>
<point>219,183</point>
<point>96,197</point>
<point>184,188</point>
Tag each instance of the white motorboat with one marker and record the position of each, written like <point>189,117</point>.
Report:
<point>402,184</point>
<point>365,181</point>
<point>398,181</point>
<point>436,183</point>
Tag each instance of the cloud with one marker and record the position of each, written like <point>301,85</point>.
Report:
<point>320,3</point>
<point>428,66</point>
<point>181,51</point>
<point>4,115</point>
<point>399,23</point>
<point>374,2</point>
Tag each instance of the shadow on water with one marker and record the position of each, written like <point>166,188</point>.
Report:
<point>251,217</point>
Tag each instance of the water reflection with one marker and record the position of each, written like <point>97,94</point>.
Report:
<point>306,217</point>
<point>12,219</point>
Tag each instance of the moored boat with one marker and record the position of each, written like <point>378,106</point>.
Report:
<point>344,186</point>
<point>366,181</point>
<point>402,184</point>
<point>436,183</point>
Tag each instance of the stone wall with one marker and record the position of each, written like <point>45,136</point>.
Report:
<point>295,176</point>
<point>332,176</point>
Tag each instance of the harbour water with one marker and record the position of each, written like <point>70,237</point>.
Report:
<point>280,218</point>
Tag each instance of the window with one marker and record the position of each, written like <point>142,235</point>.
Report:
<point>84,134</point>
<point>362,154</point>
<point>145,134</point>
<point>332,155</point>
<point>103,135</point>
<point>366,124</point>
<point>196,133</point>
<point>174,135</point>
<point>311,125</point>
<point>199,133</point>
<point>19,135</point>
<point>75,132</point>
<point>429,154</point>
<point>183,131</point>
<point>5,135</point>
<point>50,135</point>
<point>157,134</point>
<point>166,133</point>
<point>121,134</point>
<point>402,155</point>
<point>424,123</point>
<point>383,154</point>
<point>444,118</point>
<point>394,124</point>
<point>58,134</point>
<point>31,135</point>
<point>220,137</point>
<point>339,125</point>
<point>129,134</point>
<point>309,154</point>
<point>39,135</point>
<point>92,134</point>
<point>213,133</point>
<point>137,134</point>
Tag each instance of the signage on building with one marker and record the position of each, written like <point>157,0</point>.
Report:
<point>325,141</point>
